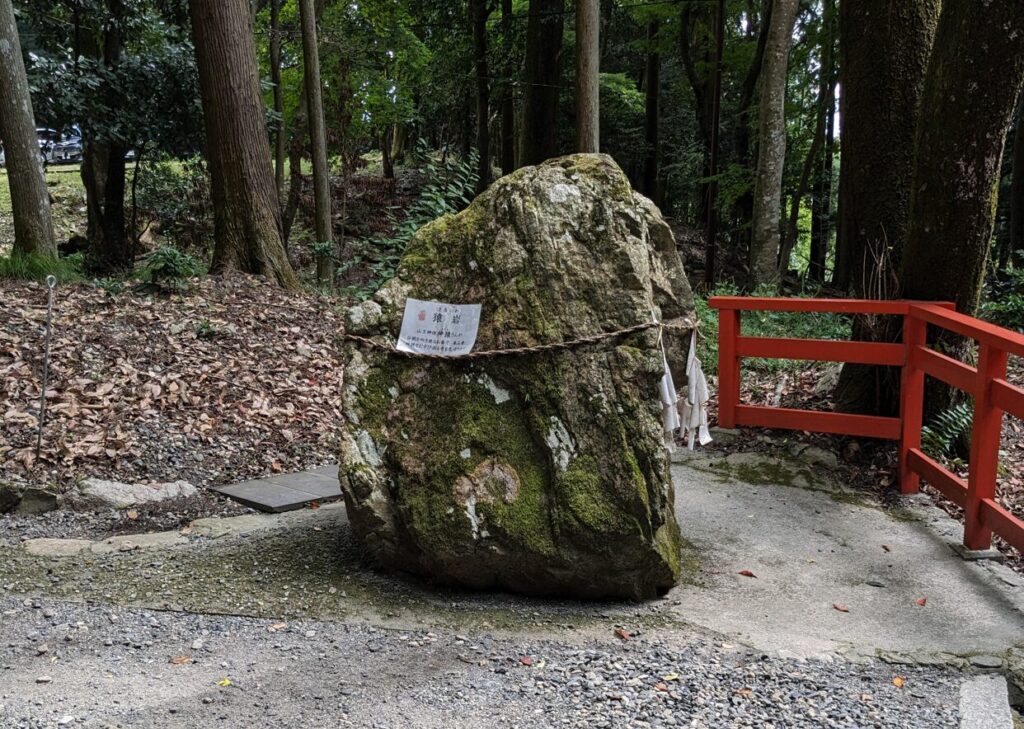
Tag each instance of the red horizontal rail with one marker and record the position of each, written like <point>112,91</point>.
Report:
<point>822,350</point>
<point>828,306</point>
<point>968,326</point>
<point>1003,523</point>
<point>993,394</point>
<point>864,426</point>
<point>951,371</point>
<point>1008,397</point>
<point>952,487</point>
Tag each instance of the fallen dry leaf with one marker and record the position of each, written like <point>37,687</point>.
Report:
<point>526,660</point>
<point>748,573</point>
<point>179,660</point>
<point>922,601</point>
<point>660,687</point>
<point>746,692</point>
<point>899,682</point>
<point>841,608</point>
<point>622,633</point>
<point>886,547</point>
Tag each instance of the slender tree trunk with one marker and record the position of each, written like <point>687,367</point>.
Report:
<point>543,76</point>
<point>713,213</point>
<point>280,139</point>
<point>295,180</point>
<point>588,76</point>
<point>479,10</point>
<point>386,161</point>
<point>318,137</point>
<point>826,91</point>
<point>652,114</point>
<point>771,158</point>
<point>508,102</point>
<point>821,199</point>
<point>105,177</point>
<point>30,200</point>
<point>1016,252</point>
<point>702,97</point>
<point>247,219</point>
<point>884,48</point>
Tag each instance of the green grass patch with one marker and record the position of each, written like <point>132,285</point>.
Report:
<point>37,268</point>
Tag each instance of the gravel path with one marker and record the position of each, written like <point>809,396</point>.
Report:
<point>79,665</point>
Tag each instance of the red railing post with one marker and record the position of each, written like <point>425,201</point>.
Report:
<point>915,332</point>
<point>728,367</point>
<point>985,438</point>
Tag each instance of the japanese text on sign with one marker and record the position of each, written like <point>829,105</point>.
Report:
<point>433,327</point>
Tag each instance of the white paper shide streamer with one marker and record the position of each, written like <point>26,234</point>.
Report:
<point>695,407</point>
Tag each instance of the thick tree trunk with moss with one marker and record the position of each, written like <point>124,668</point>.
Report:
<point>247,219</point>
<point>543,77</point>
<point>965,117</point>
<point>30,200</point>
<point>771,157</point>
<point>884,47</point>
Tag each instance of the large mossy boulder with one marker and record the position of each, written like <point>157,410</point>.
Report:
<point>544,473</point>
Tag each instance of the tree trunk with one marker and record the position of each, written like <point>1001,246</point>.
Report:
<point>247,219</point>
<point>588,76</point>
<point>280,142</point>
<point>543,77</point>
<point>508,103</point>
<point>821,199</point>
<point>30,200</point>
<point>652,94</point>
<point>386,161</point>
<point>104,172</point>
<point>826,92</point>
<point>771,158</point>
<point>713,213</point>
<point>963,125</point>
<point>478,10</point>
<point>884,48</point>
<point>318,137</point>
<point>703,101</point>
<point>1016,252</point>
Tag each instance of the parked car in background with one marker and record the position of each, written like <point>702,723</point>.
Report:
<point>68,150</point>
<point>3,158</point>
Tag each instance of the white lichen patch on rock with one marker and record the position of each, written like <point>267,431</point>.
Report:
<point>560,443</point>
<point>500,394</point>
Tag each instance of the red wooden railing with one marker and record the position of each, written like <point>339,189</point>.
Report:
<point>986,383</point>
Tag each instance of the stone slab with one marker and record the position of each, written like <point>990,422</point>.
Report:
<point>285,492</point>
<point>814,547</point>
<point>984,703</point>
<point>138,541</point>
<point>56,547</point>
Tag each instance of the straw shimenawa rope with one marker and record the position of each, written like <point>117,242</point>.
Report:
<point>676,325</point>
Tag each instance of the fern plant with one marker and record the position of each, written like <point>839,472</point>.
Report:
<point>940,436</point>
<point>451,190</point>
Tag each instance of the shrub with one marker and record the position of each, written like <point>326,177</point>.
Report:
<point>176,196</point>
<point>169,265</point>
<point>1003,303</point>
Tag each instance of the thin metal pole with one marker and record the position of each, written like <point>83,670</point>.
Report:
<point>51,283</point>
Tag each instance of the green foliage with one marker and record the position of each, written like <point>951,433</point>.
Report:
<point>176,196</point>
<point>113,286</point>
<point>451,189</point>
<point>37,268</point>
<point>940,437</point>
<point>206,329</point>
<point>168,265</point>
<point>1003,302</point>
<point>622,119</point>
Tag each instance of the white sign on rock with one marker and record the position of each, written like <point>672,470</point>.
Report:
<point>434,327</point>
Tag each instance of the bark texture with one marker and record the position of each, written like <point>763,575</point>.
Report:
<point>543,78</point>
<point>884,47</point>
<point>652,115</point>
<point>30,200</point>
<point>247,222</point>
<point>280,141</point>
<point>771,158</point>
<point>479,10</point>
<point>963,125</point>
<point>317,128</point>
<point>588,71</point>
